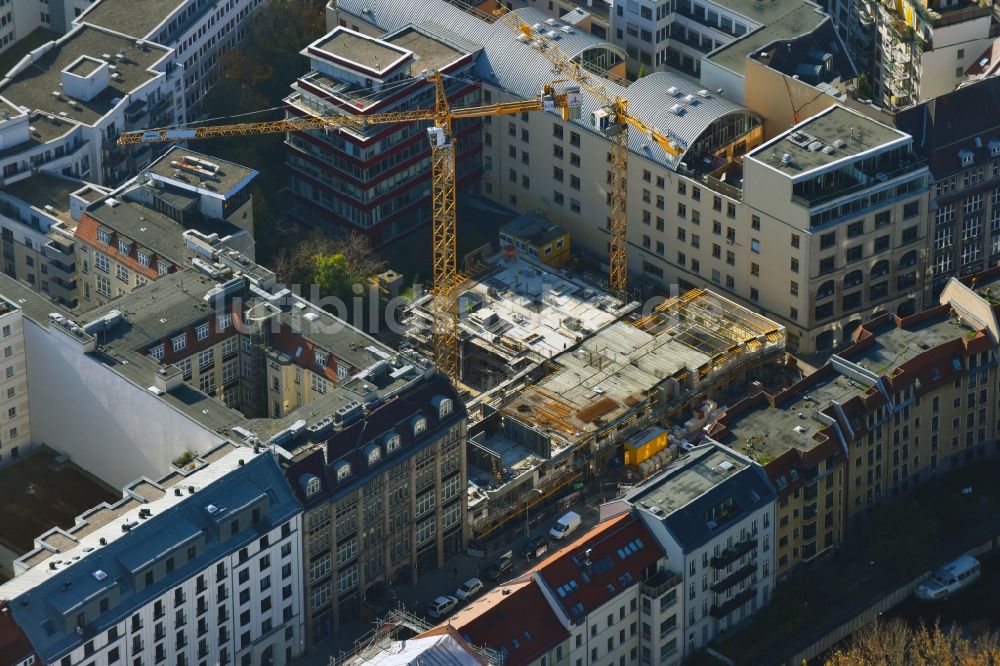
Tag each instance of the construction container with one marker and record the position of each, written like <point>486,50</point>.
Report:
<point>645,444</point>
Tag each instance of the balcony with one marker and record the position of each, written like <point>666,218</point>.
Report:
<point>658,584</point>
<point>720,611</point>
<point>730,555</point>
<point>735,578</point>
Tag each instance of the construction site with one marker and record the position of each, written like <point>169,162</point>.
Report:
<point>567,382</point>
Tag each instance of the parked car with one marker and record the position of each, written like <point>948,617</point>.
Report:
<point>536,547</point>
<point>442,606</point>
<point>469,589</point>
<point>504,564</point>
<point>565,525</point>
<point>949,579</point>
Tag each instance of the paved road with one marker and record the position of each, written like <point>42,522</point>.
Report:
<point>416,598</point>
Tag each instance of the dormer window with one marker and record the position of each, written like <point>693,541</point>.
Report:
<point>179,343</point>
<point>419,425</point>
<point>144,258</point>
<point>391,442</point>
<point>201,331</point>
<point>124,246</point>
<point>374,455</point>
<point>995,147</point>
<point>310,483</point>
<point>965,157</point>
<point>162,268</point>
<point>343,471</point>
<point>321,358</point>
<point>444,409</point>
<point>157,352</point>
<point>104,236</point>
<point>224,321</point>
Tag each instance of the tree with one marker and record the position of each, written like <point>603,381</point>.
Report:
<point>895,643</point>
<point>334,275</point>
<point>864,86</point>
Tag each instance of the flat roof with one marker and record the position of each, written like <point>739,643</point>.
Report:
<point>895,346</point>
<point>43,490</point>
<point>429,52</point>
<point>152,229</point>
<point>371,53</point>
<point>779,19</point>
<point>831,136</point>
<point>764,433</point>
<point>43,128</point>
<point>532,228</point>
<point>34,84</point>
<point>84,66</point>
<point>221,178</point>
<point>44,189</point>
<point>135,18</point>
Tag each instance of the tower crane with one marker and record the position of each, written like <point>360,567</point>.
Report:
<point>613,120</point>
<point>445,273</point>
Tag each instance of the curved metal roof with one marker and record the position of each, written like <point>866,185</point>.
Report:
<point>518,68</point>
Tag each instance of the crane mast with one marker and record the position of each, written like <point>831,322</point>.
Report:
<point>445,274</point>
<point>614,121</point>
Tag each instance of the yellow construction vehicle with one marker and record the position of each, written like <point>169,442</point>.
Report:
<point>446,277</point>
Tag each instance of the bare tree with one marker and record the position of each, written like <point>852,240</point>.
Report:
<point>895,643</point>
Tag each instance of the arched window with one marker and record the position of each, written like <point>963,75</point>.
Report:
<point>880,268</point>
<point>419,425</point>
<point>908,259</point>
<point>825,290</point>
<point>343,471</point>
<point>374,455</point>
<point>391,442</point>
<point>853,279</point>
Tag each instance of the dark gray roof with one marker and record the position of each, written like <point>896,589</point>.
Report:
<point>229,177</point>
<point>780,19</point>
<point>41,597</point>
<point>43,189</point>
<point>943,126</point>
<point>681,495</point>
<point>136,18</point>
<point>32,86</point>
<point>804,56</point>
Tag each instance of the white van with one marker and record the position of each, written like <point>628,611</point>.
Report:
<point>952,577</point>
<point>565,525</point>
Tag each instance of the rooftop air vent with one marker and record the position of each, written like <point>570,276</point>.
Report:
<point>673,90</point>
<point>839,143</point>
<point>786,159</point>
<point>677,109</point>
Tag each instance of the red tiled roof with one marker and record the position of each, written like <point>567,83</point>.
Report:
<point>597,580</point>
<point>86,231</point>
<point>14,645</point>
<point>514,619</point>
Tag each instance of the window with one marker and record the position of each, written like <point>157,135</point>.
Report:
<point>179,342</point>
<point>201,332</point>
<point>102,262</point>
<point>755,245</point>
<point>157,352</point>
<point>104,236</point>
<point>223,322</point>
<point>124,246</point>
<point>321,358</point>
<point>319,384</point>
<point>122,273</point>
<point>205,359</point>
<point>144,258</point>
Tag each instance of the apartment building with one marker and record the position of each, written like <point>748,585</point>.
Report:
<point>184,207</point>
<point>712,513</point>
<point>925,46</point>
<point>15,423</point>
<point>38,218</point>
<point>837,209</point>
<point>377,180</point>
<point>384,500</point>
<point>198,32</point>
<point>801,451</point>
<point>202,567</point>
<point>598,600</point>
<point>683,556</point>
<point>909,399</point>
<point>706,39</point>
<point>962,148</point>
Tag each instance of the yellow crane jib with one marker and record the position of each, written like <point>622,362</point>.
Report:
<point>445,274</point>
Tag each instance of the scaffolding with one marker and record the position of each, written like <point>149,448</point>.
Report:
<point>397,625</point>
